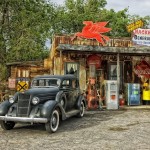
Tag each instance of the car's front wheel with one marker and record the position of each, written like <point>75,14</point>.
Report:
<point>52,125</point>
<point>82,110</point>
<point>7,125</point>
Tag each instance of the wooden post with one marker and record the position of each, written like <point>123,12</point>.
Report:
<point>60,61</point>
<point>118,75</point>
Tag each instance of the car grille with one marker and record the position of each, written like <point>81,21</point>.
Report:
<point>23,105</point>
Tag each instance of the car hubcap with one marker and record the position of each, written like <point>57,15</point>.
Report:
<point>54,121</point>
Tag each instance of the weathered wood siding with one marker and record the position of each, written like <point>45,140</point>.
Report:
<point>114,42</point>
<point>82,75</point>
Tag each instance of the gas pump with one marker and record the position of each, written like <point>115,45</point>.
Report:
<point>92,98</point>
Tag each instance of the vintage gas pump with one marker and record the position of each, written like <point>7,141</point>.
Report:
<point>92,98</point>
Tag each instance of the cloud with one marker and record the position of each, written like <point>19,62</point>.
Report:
<point>136,7</point>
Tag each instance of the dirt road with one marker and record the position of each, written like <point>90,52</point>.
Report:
<point>98,130</point>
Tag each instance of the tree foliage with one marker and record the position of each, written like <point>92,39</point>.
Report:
<point>24,27</point>
<point>26,24</point>
<point>71,15</point>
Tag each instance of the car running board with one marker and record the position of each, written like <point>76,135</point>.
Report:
<point>72,113</point>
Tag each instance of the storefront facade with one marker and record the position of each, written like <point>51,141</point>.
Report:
<point>93,63</point>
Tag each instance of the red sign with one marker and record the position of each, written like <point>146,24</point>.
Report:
<point>94,31</point>
<point>94,60</point>
<point>143,69</point>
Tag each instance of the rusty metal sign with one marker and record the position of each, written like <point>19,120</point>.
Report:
<point>135,25</point>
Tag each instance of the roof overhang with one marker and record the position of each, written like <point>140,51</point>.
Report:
<point>102,49</point>
<point>26,63</point>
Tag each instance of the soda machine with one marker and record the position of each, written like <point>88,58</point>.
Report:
<point>111,90</point>
<point>133,93</point>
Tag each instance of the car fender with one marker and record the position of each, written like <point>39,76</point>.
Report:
<point>79,100</point>
<point>35,111</point>
<point>4,107</point>
<point>47,108</point>
<point>61,95</point>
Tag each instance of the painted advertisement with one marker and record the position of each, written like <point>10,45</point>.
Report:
<point>142,69</point>
<point>11,83</point>
<point>141,37</point>
<point>135,25</point>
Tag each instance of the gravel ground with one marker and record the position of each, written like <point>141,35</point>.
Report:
<point>97,130</point>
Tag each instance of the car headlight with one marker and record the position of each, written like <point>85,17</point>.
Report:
<point>11,100</point>
<point>35,100</point>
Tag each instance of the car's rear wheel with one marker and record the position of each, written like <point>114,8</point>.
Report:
<point>82,110</point>
<point>7,125</point>
<point>52,125</point>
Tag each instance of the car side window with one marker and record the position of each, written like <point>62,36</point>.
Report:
<point>35,83</point>
<point>66,83</point>
<point>74,84</point>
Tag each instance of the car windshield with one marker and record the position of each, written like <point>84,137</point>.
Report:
<point>37,83</point>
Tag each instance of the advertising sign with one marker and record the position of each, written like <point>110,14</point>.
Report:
<point>143,69</point>
<point>135,25</point>
<point>11,83</point>
<point>94,31</point>
<point>94,60</point>
<point>141,37</point>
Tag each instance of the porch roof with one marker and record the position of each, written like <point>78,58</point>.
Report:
<point>104,49</point>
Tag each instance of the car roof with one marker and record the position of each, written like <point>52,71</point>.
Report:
<point>68,76</point>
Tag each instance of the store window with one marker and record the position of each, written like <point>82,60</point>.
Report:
<point>72,68</point>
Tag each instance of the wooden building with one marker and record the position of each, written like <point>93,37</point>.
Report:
<point>22,73</point>
<point>91,62</point>
<point>115,61</point>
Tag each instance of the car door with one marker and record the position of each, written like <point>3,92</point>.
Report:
<point>75,91</point>
<point>66,86</point>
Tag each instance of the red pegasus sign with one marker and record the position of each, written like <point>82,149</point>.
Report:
<point>94,31</point>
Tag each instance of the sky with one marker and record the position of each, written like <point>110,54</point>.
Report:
<point>136,7</point>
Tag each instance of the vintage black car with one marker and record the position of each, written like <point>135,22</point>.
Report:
<point>50,99</point>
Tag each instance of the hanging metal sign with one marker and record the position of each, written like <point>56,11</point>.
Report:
<point>143,69</point>
<point>135,25</point>
<point>141,37</point>
<point>95,60</point>
<point>22,86</point>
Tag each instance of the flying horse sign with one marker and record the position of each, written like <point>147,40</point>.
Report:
<point>94,31</point>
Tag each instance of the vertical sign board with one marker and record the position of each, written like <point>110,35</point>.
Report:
<point>11,83</point>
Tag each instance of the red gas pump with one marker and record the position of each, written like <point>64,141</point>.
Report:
<point>92,98</point>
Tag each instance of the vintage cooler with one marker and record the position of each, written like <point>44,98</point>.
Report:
<point>146,97</point>
<point>133,93</point>
<point>111,91</point>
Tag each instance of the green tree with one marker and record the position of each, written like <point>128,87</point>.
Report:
<point>24,27</point>
<point>70,17</point>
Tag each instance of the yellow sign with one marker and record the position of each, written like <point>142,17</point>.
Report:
<point>22,86</point>
<point>135,25</point>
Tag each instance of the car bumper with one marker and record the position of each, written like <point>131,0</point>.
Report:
<point>24,119</point>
